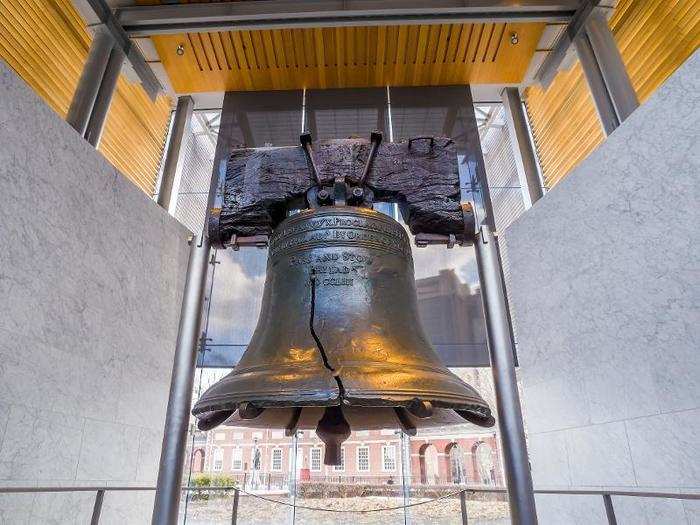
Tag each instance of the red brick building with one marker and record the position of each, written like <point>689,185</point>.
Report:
<point>264,458</point>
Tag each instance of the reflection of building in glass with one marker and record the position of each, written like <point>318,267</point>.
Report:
<point>452,316</point>
<point>263,459</point>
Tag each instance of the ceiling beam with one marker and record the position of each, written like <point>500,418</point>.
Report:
<point>148,20</point>
<point>550,66</point>
<point>98,13</point>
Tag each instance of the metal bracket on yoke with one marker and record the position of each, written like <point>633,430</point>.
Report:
<point>253,241</point>
<point>305,140</point>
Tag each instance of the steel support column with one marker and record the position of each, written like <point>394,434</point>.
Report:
<point>523,152</point>
<point>516,464</point>
<point>90,80</point>
<point>617,81</point>
<point>168,489</point>
<point>181,123</point>
<point>610,85</point>
<point>95,127</point>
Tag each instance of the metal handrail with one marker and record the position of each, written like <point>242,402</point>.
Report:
<point>605,493</point>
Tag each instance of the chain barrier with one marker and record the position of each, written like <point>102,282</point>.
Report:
<point>363,511</point>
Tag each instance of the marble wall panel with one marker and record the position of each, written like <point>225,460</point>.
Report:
<point>91,277</point>
<point>604,274</point>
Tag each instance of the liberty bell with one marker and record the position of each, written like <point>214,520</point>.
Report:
<point>339,345</point>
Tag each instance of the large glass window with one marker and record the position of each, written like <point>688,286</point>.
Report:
<point>385,462</point>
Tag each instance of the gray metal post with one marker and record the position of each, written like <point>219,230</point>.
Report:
<point>168,488</point>
<point>406,475</point>
<point>97,508</point>
<point>90,79</point>
<point>612,91</point>
<point>463,507</point>
<point>181,123</point>
<point>234,509</point>
<point>96,125</point>
<point>523,152</point>
<point>599,93</point>
<point>516,463</point>
<point>609,509</point>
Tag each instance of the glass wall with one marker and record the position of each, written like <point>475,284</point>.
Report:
<point>283,479</point>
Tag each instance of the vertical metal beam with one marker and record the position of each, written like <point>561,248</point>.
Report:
<point>517,467</point>
<point>181,123</point>
<point>168,488</point>
<point>93,132</point>
<point>610,85</point>
<point>599,93</point>
<point>463,507</point>
<point>234,509</point>
<point>609,509</point>
<point>523,152</point>
<point>97,508</point>
<point>617,81</point>
<point>90,80</point>
<point>405,444</point>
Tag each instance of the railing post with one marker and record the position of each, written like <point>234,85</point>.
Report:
<point>234,509</point>
<point>463,505</point>
<point>609,510</point>
<point>97,508</point>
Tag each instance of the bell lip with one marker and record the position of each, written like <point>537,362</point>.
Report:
<point>473,416</point>
<point>476,407</point>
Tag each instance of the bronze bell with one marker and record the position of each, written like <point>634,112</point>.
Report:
<point>339,344</point>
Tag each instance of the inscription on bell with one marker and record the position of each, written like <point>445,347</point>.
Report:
<point>344,263</point>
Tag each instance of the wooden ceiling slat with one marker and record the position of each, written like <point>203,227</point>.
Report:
<point>352,56</point>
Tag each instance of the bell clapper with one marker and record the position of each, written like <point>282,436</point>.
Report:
<point>249,411</point>
<point>334,430</point>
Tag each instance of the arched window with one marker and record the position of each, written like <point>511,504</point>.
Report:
<point>456,458</point>
<point>483,457</point>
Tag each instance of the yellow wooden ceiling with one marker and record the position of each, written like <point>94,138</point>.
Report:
<point>407,55</point>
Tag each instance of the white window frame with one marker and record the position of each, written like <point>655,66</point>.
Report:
<point>272,460</point>
<point>319,451</point>
<point>357,459</point>
<point>385,449</point>
<point>341,467</point>
<point>218,452</point>
<point>236,455</point>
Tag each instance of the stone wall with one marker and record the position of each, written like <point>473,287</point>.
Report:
<point>604,282</point>
<point>91,273</point>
